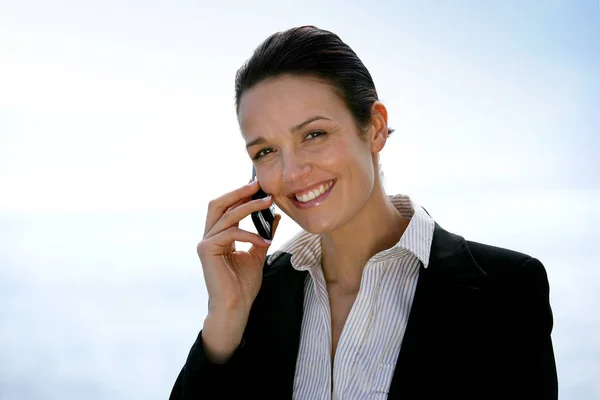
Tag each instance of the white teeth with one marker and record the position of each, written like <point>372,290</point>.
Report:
<point>314,193</point>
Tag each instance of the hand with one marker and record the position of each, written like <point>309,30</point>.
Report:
<point>232,277</point>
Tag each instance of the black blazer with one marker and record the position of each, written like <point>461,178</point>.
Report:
<point>479,328</point>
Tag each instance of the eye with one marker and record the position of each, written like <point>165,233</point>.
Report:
<point>314,134</point>
<point>262,153</point>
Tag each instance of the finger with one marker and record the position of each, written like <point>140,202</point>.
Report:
<point>220,244</point>
<point>245,200</point>
<point>233,216</point>
<point>276,223</point>
<point>239,203</point>
<point>220,205</point>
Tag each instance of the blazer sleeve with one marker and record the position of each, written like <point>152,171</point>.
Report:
<point>536,364</point>
<point>202,379</point>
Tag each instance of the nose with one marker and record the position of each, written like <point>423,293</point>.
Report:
<point>294,168</point>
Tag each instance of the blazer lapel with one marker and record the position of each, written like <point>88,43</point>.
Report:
<point>441,328</point>
<point>446,299</point>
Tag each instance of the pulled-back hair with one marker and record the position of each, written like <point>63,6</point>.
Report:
<point>310,51</point>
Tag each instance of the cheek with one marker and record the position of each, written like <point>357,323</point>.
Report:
<point>350,159</point>
<point>335,155</point>
<point>269,179</point>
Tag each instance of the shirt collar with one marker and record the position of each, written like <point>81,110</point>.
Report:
<point>305,247</point>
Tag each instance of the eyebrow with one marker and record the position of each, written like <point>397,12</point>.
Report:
<point>308,121</point>
<point>293,129</point>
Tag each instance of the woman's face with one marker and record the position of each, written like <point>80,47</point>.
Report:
<point>307,150</point>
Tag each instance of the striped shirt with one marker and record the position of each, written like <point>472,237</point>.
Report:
<point>370,341</point>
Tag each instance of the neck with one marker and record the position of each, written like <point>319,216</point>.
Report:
<point>345,251</point>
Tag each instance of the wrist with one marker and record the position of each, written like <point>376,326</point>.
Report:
<point>222,335</point>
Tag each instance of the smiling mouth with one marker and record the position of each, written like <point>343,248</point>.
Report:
<point>314,193</point>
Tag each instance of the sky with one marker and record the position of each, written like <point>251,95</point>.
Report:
<point>117,126</point>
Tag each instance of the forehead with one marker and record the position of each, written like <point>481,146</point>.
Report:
<point>288,100</point>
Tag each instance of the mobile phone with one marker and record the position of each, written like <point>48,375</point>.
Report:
<point>263,219</point>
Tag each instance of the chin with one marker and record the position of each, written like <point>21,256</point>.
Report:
<point>316,227</point>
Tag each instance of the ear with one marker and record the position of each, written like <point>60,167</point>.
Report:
<point>379,126</point>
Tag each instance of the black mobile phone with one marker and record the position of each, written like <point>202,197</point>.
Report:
<point>263,219</point>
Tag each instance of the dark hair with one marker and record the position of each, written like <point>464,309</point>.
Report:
<point>310,51</point>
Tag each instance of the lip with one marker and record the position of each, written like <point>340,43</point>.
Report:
<point>311,187</point>
<point>316,201</point>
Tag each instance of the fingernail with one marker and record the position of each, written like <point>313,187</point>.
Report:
<point>268,241</point>
<point>265,199</point>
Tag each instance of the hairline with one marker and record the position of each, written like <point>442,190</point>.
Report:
<point>311,75</point>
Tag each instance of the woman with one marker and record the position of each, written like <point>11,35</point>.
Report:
<point>373,299</point>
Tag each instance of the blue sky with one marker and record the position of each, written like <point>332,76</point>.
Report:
<point>510,89</point>
<point>117,127</point>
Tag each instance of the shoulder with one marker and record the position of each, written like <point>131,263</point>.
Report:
<point>517,274</point>
<point>496,260</point>
<point>278,266</point>
<point>303,248</point>
<point>517,317</point>
<point>454,256</point>
<point>280,278</point>
<point>499,261</point>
